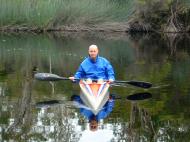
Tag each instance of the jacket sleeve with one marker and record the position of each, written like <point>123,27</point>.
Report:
<point>87,113</point>
<point>110,71</point>
<point>106,110</point>
<point>80,73</point>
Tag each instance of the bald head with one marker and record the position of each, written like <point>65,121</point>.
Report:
<point>93,46</point>
<point>93,125</point>
<point>93,51</point>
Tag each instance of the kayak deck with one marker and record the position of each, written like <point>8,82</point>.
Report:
<point>94,95</point>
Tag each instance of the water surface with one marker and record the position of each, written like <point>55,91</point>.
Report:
<point>162,60</point>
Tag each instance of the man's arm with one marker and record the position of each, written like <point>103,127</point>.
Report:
<point>78,75</point>
<point>107,109</point>
<point>84,110</point>
<point>110,72</point>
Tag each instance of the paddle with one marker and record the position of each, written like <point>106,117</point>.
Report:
<point>133,97</point>
<point>49,77</point>
<point>54,77</point>
<point>135,83</point>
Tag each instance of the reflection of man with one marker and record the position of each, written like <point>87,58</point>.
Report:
<point>93,125</point>
<point>94,67</point>
<point>94,119</point>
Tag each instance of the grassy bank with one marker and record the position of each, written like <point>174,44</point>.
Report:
<point>97,15</point>
<point>51,14</point>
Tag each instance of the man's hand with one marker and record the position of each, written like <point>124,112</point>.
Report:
<point>72,78</point>
<point>110,81</point>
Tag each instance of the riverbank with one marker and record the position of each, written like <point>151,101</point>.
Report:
<point>104,27</point>
<point>101,15</point>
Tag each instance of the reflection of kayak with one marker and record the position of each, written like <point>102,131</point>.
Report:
<point>94,95</point>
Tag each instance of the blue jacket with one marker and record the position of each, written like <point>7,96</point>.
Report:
<point>103,113</point>
<point>99,69</point>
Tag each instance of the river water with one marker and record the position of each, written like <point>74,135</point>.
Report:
<point>32,110</point>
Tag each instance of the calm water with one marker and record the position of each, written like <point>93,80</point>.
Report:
<point>31,110</point>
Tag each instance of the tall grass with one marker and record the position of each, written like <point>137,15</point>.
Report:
<point>27,12</point>
<point>51,13</point>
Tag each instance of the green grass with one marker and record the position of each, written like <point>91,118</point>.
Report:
<point>27,12</point>
<point>51,13</point>
<point>45,14</point>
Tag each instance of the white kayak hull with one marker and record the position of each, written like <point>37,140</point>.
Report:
<point>94,95</point>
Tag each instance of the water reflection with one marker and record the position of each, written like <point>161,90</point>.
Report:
<point>96,127</point>
<point>47,104</point>
<point>157,59</point>
<point>140,126</point>
<point>22,116</point>
<point>139,96</point>
<point>89,114</point>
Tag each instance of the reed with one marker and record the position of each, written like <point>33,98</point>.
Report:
<point>52,13</point>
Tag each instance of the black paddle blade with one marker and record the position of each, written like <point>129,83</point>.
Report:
<point>137,83</point>
<point>48,77</point>
<point>139,96</point>
<point>140,84</point>
<point>47,104</point>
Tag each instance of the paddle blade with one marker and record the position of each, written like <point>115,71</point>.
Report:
<point>47,104</point>
<point>139,96</point>
<point>140,84</point>
<point>137,83</point>
<point>48,77</point>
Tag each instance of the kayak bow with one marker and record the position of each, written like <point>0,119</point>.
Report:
<point>94,95</point>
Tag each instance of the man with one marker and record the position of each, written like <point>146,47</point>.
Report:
<point>94,67</point>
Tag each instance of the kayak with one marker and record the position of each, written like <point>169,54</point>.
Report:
<point>94,95</point>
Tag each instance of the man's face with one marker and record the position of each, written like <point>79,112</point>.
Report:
<point>93,125</point>
<point>93,52</point>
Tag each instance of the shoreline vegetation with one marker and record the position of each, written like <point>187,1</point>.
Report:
<point>162,16</point>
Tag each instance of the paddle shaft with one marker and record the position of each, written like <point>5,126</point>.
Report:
<point>54,77</point>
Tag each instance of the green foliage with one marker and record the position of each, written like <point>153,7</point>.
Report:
<point>49,13</point>
<point>27,12</point>
<point>44,14</point>
<point>156,15</point>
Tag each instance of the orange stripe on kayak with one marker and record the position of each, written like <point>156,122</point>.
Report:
<point>95,88</point>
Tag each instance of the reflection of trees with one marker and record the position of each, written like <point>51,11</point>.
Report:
<point>25,125</point>
<point>173,41</point>
<point>64,130</point>
<point>54,124</point>
<point>22,115</point>
<point>143,126</point>
<point>153,62</point>
<point>155,47</point>
<point>67,52</point>
<point>173,130</point>
<point>50,71</point>
<point>139,128</point>
<point>141,116</point>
